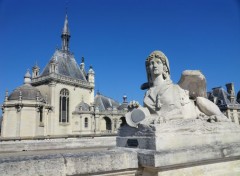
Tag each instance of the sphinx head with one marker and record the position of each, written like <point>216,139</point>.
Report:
<point>157,65</point>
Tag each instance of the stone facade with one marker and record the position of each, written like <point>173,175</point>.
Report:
<point>60,101</point>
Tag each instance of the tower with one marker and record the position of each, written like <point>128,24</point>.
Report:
<point>35,71</point>
<point>91,74</point>
<point>65,35</point>
<point>231,92</point>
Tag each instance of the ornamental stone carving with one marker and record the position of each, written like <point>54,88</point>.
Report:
<point>165,101</point>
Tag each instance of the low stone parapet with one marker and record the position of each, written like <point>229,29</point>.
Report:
<point>61,143</point>
<point>112,162</point>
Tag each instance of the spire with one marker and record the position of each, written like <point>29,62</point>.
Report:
<point>65,27</point>
<point>65,35</point>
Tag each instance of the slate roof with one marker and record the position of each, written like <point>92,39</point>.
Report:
<point>83,106</point>
<point>123,106</point>
<point>105,103</point>
<point>238,97</point>
<point>67,65</point>
<point>222,98</point>
<point>28,93</point>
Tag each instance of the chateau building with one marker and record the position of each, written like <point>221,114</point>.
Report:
<point>227,101</point>
<point>60,101</point>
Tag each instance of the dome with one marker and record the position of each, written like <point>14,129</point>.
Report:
<point>82,107</point>
<point>28,93</point>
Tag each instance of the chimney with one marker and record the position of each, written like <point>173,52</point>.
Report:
<point>231,92</point>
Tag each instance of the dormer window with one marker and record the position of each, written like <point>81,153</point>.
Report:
<point>64,106</point>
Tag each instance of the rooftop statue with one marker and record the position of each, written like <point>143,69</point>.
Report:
<point>165,101</point>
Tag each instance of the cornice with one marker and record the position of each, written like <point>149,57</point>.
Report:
<point>62,79</point>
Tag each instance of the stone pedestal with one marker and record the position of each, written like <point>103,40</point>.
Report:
<point>185,147</point>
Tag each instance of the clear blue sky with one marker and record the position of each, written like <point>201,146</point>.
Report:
<point>116,36</point>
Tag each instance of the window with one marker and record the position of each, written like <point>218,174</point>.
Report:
<point>232,117</point>
<point>86,122</point>
<point>64,106</point>
<point>41,114</point>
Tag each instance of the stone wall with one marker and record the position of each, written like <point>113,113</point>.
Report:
<point>113,162</point>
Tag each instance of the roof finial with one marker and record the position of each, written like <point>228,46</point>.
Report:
<point>6,95</point>
<point>66,8</point>
<point>124,98</point>
<point>36,64</point>
<point>98,92</point>
<point>27,77</point>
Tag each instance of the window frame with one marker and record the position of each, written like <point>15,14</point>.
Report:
<point>64,106</point>
<point>86,122</point>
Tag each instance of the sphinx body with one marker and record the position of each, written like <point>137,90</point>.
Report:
<point>165,101</point>
<point>170,102</point>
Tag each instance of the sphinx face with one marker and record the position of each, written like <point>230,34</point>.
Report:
<point>156,67</point>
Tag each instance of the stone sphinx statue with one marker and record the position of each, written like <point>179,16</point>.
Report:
<point>174,128</point>
<point>165,101</point>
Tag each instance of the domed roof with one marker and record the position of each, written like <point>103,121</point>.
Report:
<point>28,93</point>
<point>82,106</point>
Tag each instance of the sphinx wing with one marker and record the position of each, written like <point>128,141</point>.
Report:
<point>193,81</point>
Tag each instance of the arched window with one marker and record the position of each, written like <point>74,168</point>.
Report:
<point>41,114</point>
<point>86,122</point>
<point>64,106</point>
<point>108,123</point>
<point>123,119</point>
